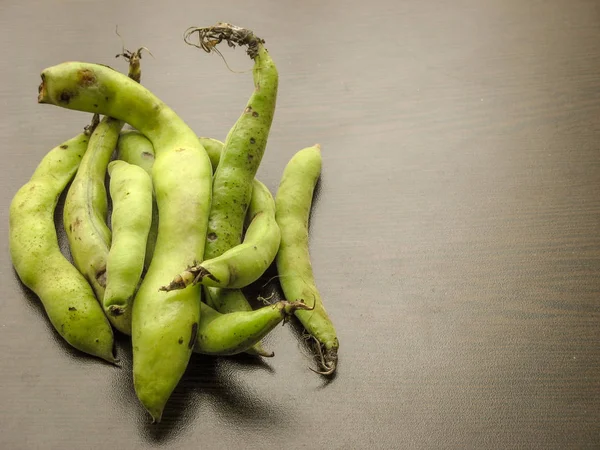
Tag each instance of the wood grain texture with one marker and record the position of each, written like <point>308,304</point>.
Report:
<point>454,236</point>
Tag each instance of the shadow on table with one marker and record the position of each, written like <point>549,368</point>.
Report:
<point>208,383</point>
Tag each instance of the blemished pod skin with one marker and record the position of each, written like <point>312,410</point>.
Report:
<point>86,208</point>
<point>67,297</point>
<point>241,156</point>
<point>86,211</point>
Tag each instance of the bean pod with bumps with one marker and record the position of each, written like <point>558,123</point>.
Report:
<point>65,294</point>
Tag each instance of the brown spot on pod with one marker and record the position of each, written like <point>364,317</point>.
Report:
<point>65,97</point>
<point>248,109</point>
<point>72,308</point>
<point>211,236</point>
<point>252,140</point>
<point>86,77</point>
<point>254,114</point>
<point>64,146</point>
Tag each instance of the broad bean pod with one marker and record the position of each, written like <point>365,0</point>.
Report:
<point>292,205</point>
<point>131,194</point>
<point>67,297</point>
<point>236,332</point>
<point>243,151</point>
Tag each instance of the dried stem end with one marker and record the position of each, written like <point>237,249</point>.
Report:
<point>210,37</point>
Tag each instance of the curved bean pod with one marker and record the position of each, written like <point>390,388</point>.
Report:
<point>135,148</point>
<point>65,294</point>
<point>292,203</point>
<point>241,157</point>
<point>244,263</point>
<point>182,176</point>
<point>236,332</point>
<point>86,211</point>
<point>131,194</point>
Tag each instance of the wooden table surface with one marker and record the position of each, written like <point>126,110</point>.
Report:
<point>454,237</point>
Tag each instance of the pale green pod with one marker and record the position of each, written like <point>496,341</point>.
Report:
<point>131,194</point>
<point>293,202</point>
<point>86,212</point>
<point>236,332</point>
<point>66,296</point>
<point>135,148</point>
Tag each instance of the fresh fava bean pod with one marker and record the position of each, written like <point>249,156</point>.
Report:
<point>86,208</point>
<point>135,148</point>
<point>233,333</point>
<point>244,263</point>
<point>241,157</point>
<point>86,211</point>
<point>292,205</point>
<point>245,144</point>
<point>163,323</point>
<point>66,296</point>
<point>131,194</point>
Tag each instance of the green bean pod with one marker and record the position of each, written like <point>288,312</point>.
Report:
<point>244,263</point>
<point>292,205</point>
<point>135,148</point>
<point>240,159</point>
<point>241,156</point>
<point>230,334</point>
<point>164,324</point>
<point>65,294</point>
<point>86,211</point>
<point>131,194</point>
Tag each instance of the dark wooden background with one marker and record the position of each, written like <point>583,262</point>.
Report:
<point>455,237</point>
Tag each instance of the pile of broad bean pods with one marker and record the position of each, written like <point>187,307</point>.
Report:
<point>190,226</point>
